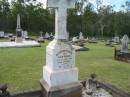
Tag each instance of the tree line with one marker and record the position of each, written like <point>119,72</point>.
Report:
<point>101,21</point>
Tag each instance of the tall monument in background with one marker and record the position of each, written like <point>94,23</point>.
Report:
<point>60,75</point>
<point>19,37</point>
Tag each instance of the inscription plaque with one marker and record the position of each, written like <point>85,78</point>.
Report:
<point>64,59</point>
<point>19,34</point>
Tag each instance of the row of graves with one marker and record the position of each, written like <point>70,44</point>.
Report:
<point>10,35</point>
<point>122,54</point>
<point>43,37</point>
<point>60,74</point>
<point>78,43</point>
<point>114,41</point>
<point>21,38</point>
<point>5,35</point>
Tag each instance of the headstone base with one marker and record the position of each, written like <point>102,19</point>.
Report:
<point>18,40</point>
<point>68,90</point>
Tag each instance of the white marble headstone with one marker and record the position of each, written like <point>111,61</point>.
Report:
<point>124,41</point>
<point>60,56</point>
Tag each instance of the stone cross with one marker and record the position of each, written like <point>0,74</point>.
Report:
<point>18,22</point>
<point>125,41</point>
<point>61,7</point>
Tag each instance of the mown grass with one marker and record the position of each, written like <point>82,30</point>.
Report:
<point>21,68</point>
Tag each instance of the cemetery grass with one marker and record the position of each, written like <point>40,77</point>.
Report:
<point>21,68</point>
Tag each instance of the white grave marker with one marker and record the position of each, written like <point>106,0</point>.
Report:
<point>60,56</point>
<point>81,36</point>
<point>125,41</point>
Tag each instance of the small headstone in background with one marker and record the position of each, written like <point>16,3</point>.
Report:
<point>74,39</point>
<point>41,39</point>
<point>47,36</point>
<point>109,43</point>
<point>93,40</point>
<point>51,36</point>
<point>124,41</point>
<point>117,39</point>
<point>41,34</point>
<point>81,37</point>
<point>25,35</point>
<point>2,34</point>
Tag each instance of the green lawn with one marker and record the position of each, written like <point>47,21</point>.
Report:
<point>21,68</point>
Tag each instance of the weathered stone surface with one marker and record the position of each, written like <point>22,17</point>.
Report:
<point>60,65</point>
<point>61,7</point>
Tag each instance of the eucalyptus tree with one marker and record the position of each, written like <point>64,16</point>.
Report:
<point>80,11</point>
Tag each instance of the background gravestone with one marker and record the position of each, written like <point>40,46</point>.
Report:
<point>81,37</point>
<point>19,34</point>
<point>124,41</point>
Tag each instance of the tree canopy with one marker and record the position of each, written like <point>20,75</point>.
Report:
<point>102,22</point>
